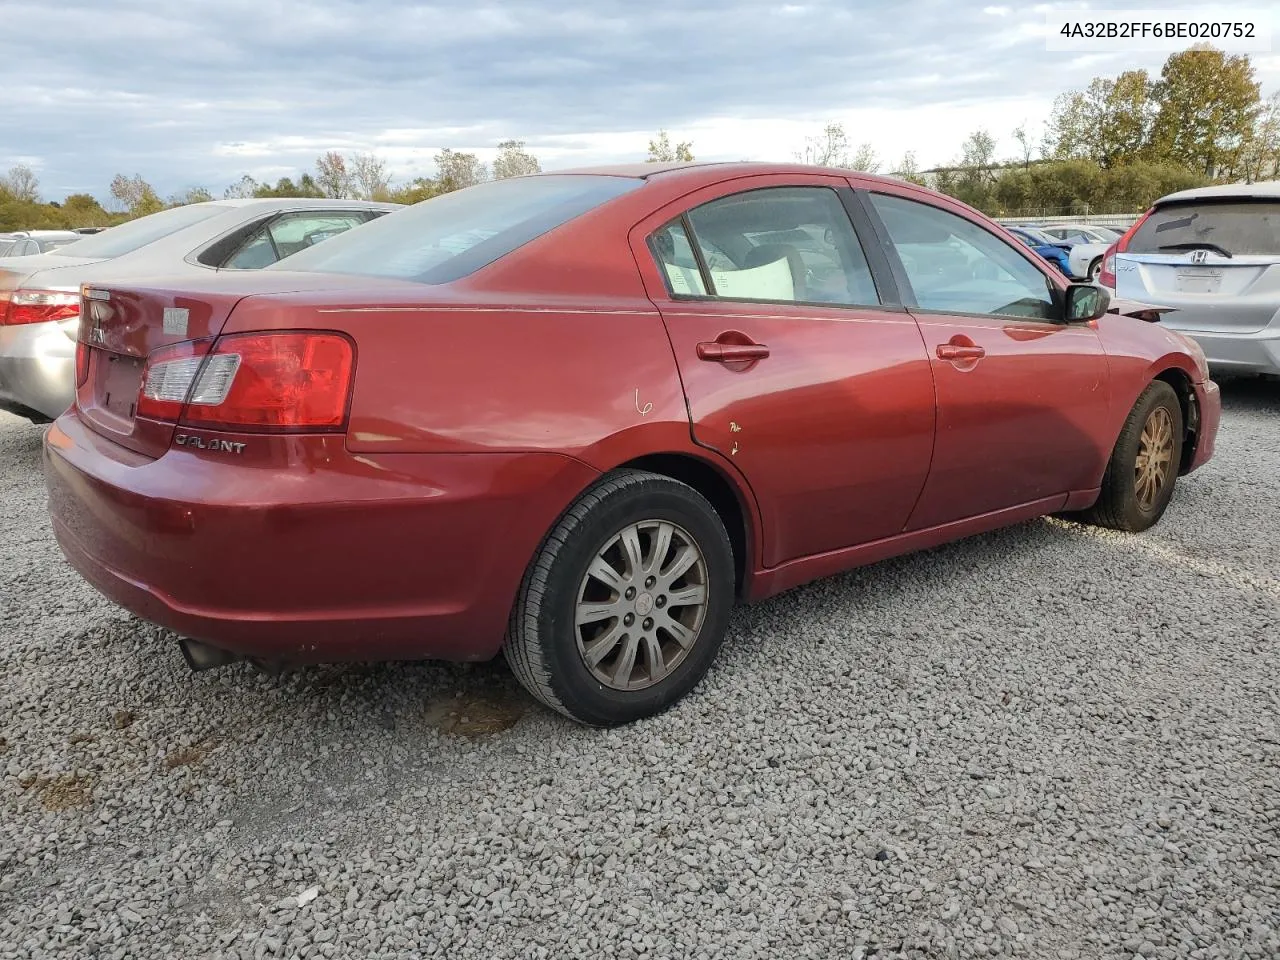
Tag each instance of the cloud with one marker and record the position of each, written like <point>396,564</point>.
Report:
<point>188,94</point>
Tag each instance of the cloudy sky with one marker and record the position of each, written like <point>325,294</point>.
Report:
<point>196,93</point>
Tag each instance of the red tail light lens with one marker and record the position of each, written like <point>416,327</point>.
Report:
<point>82,364</point>
<point>292,381</point>
<point>40,306</point>
<point>1107,275</point>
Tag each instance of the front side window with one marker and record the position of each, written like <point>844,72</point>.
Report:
<point>450,236</point>
<point>783,244</point>
<point>956,266</point>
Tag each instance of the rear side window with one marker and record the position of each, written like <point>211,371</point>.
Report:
<point>117,241</point>
<point>1237,227</point>
<point>289,234</point>
<point>450,236</point>
<point>776,244</point>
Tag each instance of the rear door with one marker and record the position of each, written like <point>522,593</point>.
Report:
<point>1020,395</point>
<point>799,372</point>
<point>1216,261</point>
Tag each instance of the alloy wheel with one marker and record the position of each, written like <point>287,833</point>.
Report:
<point>641,605</point>
<point>1155,458</point>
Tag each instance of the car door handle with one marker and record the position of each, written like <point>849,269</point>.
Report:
<point>732,352</point>
<point>958,351</point>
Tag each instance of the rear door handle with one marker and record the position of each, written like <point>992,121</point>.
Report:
<point>732,352</point>
<point>956,351</point>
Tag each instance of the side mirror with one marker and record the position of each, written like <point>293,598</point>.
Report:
<point>1085,302</point>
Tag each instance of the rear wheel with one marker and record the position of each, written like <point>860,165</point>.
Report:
<point>1143,469</point>
<point>622,611</point>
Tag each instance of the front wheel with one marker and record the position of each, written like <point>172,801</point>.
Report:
<point>624,607</point>
<point>1095,270</point>
<point>1140,476</point>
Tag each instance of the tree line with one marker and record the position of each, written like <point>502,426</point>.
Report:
<point>1114,147</point>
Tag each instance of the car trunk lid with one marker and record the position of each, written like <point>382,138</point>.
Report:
<point>1216,261</point>
<point>120,326</point>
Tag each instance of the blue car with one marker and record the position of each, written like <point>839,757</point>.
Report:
<point>1050,248</point>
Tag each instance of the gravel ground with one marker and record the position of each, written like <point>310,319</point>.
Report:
<point>1046,742</point>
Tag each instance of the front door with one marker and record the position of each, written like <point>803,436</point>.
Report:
<point>1020,393</point>
<point>794,371</point>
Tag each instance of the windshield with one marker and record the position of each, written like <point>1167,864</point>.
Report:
<point>117,241</point>
<point>449,236</point>
<point>1233,228</point>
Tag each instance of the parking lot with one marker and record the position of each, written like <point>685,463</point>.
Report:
<point>1050,741</point>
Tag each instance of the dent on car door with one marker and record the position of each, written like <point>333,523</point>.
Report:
<point>798,371</point>
<point>1022,397</point>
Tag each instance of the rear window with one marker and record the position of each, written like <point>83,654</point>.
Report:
<point>450,236</point>
<point>1238,227</point>
<point>117,241</point>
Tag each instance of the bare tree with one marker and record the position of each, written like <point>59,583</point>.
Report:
<point>1024,142</point>
<point>369,176</point>
<point>514,161</point>
<point>332,176</point>
<point>244,189</point>
<point>192,195</point>
<point>21,184</point>
<point>831,149</point>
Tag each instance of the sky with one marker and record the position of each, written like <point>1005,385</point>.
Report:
<point>197,93</point>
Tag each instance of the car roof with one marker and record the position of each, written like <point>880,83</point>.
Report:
<point>300,203</point>
<point>705,172</point>
<point>1265,190</point>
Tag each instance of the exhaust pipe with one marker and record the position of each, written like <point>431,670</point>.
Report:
<point>201,656</point>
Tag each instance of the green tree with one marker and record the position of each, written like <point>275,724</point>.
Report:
<point>193,195</point>
<point>909,170</point>
<point>456,171</point>
<point>1207,105</point>
<point>417,190</point>
<point>1260,157</point>
<point>514,161</point>
<point>661,150</point>
<point>137,196</point>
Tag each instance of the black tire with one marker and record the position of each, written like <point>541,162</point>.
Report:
<point>1095,269</point>
<point>1118,506</point>
<point>542,644</point>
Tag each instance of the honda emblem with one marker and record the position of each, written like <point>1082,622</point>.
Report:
<point>1199,256</point>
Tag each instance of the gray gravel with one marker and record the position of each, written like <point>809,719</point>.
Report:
<point>1046,742</point>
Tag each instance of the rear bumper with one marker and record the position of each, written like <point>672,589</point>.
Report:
<point>1209,403</point>
<point>37,369</point>
<point>316,555</point>
<point>1257,352</point>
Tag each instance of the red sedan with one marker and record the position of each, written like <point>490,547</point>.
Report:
<point>574,416</point>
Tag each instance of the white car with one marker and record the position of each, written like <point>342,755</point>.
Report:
<point>40,293</point>
<point>1086,232</point>
<point>1211,256</point>
<point>1084,260</point>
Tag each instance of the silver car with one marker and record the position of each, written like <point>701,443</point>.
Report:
<point>29,243</point>
<point>40,295</point>
<point>1213,255</point>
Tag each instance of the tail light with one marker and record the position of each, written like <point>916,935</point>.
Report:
<point>82,364</point>
<point>1107,275</point>
<point>40,306</point>
<point>270,382</point>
